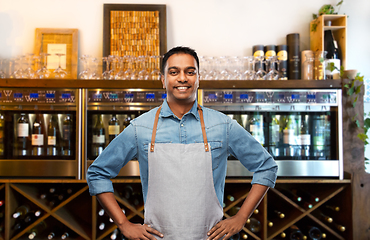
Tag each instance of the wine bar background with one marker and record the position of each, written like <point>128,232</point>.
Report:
<point>78,212</point>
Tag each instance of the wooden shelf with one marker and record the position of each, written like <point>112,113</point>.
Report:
<point>152,84</point>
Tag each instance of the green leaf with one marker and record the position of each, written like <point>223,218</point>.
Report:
<point>357,123</point>
<point>351,91</point>
<point>367,123</point>
<point>314,16</point>
<point>331,67</point>
<point>346,85</point>
<point>358,89</point>
<point>362,136</point>
<point>340,3</point>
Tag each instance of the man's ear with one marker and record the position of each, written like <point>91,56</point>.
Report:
<point>163,81</point>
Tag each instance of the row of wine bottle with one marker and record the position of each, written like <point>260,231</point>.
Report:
<point>99,133</point>
<point>34,140</point>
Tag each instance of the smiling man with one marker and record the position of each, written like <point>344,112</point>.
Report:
<point>182,150</point>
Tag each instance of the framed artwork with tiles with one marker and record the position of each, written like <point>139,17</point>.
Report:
<point>134,30</point>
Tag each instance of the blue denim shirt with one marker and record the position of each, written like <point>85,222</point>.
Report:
<point>225,136</point>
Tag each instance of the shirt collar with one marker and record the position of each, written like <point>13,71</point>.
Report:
<point>167,112</point>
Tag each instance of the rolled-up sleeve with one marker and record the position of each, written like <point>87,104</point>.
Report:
<point>252,155</point>
<point>109,163</point>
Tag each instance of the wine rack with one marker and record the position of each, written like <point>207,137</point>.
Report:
<point>78,212</point>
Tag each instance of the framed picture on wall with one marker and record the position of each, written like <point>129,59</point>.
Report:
<point>134,30</point>
<point>59,48</point>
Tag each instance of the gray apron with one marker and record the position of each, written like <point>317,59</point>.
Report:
<point>181,201</point>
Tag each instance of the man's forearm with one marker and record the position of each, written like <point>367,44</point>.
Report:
<point>110,205</point>
<point>253,199</point>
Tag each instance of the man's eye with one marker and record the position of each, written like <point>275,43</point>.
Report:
<point>191,73</point>
<point>173,73</point>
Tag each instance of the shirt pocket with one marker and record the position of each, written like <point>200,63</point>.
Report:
<point>216,152</point>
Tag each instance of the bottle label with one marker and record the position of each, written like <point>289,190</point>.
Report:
<point>37,139</point>
<point>305,139</point>
<point>23,130</point>
<point>52,140</point>
<point>335,73</point>
<point>270,53</point>
<point>289,137</point>
<point>282,55</point>
<point>66,132</point>
<point>258,53</point>
<point>98,139</point>
<point>113,129</point>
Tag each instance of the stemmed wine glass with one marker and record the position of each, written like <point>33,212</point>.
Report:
<point>59,73</point>
<point>142,73</point>
<point>273,73</point>
<point>108,74</point>
<point>43,72</point>
<point>260,74</point>
<point>2,73</point>
<point>120,75</point>
<point>29,72</point>
<point>155,74</point>
<point>85,73</point>
<point>249,72</point>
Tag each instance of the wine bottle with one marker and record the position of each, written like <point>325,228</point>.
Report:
<point>293,196</point>
<point>290,137</point>
<point>53,137</point>
<point>322,216</point>
<point>338,226</point>
<point>38,136</point>
<point>113,127</point>
<point>294,58</point>
<point>244,236</point>
<point>101,212</point>
<point>2,126</point>
<point>256,127</point>
<point>68,136</point>
<point>314,233</point>
<point>34,232</point>
<point>333,207</point>
<point>1,203</point>
<point>295,233</point>
<point>114,234</point>
<point>270,223</point>
<point>305,138</point>
<point>21,211</point>
<point>126,122</point>
<point>306,195</point>
<point>234,210</point>
<point>32,216</point>
<point>101,226</point>
<point>23,135</point>
<point>274,130</point>
<point>98,141</point>
<point>65,235</point>
<point>333,55</point>
<point>282,53</point>
<point>126,192</point>
<point>253,225</point>
<point>236,236</point>
<point>258,51</point>
<point>278,214</point>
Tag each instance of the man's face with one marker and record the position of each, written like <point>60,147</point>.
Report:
<point>181,78</point>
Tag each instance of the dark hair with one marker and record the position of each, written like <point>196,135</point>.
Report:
<point>177,50</point>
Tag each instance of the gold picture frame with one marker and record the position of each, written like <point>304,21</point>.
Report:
<point>59,40</point>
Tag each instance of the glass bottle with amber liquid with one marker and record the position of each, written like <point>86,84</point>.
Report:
<point>98,139</point>
<point>53,137</point>
<point>68,136</point>
<point>113,128</point>
<point>23,135</point>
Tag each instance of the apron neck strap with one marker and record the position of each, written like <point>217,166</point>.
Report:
<point>200,112</point>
